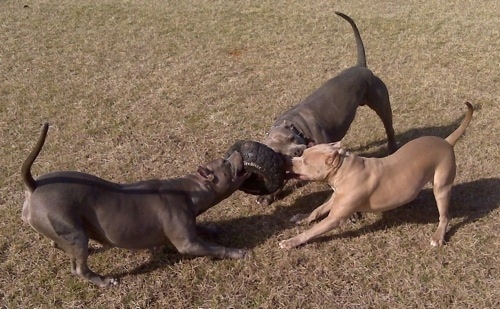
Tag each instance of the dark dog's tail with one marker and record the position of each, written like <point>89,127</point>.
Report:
<point>453,137</point>
<point>29,182</point>
<point>359,42</point>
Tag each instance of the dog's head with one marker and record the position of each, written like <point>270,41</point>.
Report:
<point>318,162</point>
<point>224,176</point>
<point>284,140</point>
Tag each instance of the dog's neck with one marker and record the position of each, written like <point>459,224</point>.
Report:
<point>343,154</point>
<point>200,194</point>
<point>293,128</point>
<point>296,131</point>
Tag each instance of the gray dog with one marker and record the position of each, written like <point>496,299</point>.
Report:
<point>72,207</point>
<point>326,114</point>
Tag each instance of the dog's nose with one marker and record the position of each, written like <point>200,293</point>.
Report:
<point>297,152</point>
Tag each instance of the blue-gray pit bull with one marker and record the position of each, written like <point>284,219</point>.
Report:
<point>72,207</point>
<point>326,114</point>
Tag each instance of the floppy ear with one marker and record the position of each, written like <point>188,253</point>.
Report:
<point>205,173</point>
<point>332,158</point>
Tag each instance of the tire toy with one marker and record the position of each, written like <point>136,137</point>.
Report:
<point>266,166</point>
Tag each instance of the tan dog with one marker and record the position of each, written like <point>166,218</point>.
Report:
<point>72,207</point>
<point>374,185</point>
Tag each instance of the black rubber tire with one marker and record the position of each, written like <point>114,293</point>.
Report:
<point>266,165</point>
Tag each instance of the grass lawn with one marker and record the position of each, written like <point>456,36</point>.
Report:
<point>141,89</point>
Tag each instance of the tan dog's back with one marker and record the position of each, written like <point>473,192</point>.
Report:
<point>401,176</point>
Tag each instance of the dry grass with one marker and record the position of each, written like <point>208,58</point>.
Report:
<point>144,89</point>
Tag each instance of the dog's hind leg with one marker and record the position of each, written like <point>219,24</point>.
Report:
<point>378,100</point>
<point>75,244</point>
<point>443,183</point>
<point>442,195</point>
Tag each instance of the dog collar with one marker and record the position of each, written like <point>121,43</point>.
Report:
<point>298,133</point>
<point>295,131</point>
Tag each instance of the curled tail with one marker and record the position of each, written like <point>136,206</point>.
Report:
<point>453,137</point>
<point>359,42</point>
<point>29,182</point>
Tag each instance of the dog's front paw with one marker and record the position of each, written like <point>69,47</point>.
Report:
<point>111,282</point>
<point>355,217</point>
<point>437,239</point>
<point>299,218</point>
<point>265,200</point>
<point>289,243</point>
<point>104,282</point>
<point>437,242</point>
<point>238,253</point>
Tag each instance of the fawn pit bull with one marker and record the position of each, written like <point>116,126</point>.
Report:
<point>72,207</point>
<point>374,185</point>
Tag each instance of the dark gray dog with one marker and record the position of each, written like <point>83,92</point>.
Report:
<point>326,114</point>
<point>71,207</point>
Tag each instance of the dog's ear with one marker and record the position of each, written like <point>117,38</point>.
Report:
<point>332,159</point>
<point>336,144</point>
<point>205,173</point>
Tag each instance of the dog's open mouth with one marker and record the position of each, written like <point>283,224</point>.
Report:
<point>239,171</point>
<point>292,175</point>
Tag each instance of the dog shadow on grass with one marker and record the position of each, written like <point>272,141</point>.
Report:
<point>243,232</point>
<point>405,137</point>
<point>469,202</point>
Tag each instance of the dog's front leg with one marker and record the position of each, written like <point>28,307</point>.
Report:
<point>199,247</point>
<point>316,214</point>
<point>327,224</point>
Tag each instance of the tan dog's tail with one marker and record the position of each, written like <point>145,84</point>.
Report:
<point>453,137</point>
<point>29,182</point>
<point>359,43</point>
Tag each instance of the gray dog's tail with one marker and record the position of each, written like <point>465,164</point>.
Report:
<point>359,42</point>
<point>29,182</point>
<point>453,137</point>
